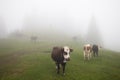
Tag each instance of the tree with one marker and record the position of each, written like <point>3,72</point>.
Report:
<point>2,28</point>
<point>93,35</point>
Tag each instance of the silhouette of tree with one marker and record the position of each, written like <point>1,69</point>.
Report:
<point>93,35</point>
<point>2,28</point>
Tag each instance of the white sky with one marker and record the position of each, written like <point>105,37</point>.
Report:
<point>78,13</point>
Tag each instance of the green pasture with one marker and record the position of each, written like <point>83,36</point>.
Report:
<point>27,60</point>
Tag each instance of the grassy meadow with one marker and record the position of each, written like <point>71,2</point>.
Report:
<point>26,60</point>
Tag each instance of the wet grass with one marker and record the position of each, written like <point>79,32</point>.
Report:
<point>25,60</point>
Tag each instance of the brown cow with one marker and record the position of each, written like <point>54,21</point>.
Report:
<point>87,51</point>
<point>61,55</point>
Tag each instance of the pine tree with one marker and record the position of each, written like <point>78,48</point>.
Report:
<point>93,35</point>
<point>2,28</point>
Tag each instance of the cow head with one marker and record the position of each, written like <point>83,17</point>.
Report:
<point>66,53</point>
<point>87,48</point>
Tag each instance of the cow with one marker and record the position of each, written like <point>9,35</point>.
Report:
<point>34,38</point>
<point>87,51</point>
<point>61,55</point>
<point>95,49</point>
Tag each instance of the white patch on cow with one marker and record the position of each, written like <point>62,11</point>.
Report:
<point>67,50</point>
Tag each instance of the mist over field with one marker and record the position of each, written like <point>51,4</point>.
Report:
<point>92,21</point>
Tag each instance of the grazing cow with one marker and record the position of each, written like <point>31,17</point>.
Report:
<point>61,55</point>
<point>95,50</point>
<point>87,51</point>
<point>34,38</point>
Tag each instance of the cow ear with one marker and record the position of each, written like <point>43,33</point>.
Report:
<point>71,50</point>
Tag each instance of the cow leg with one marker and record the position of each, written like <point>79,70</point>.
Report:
<point>94,53</point>
<point>84,55</point>
<point>97,53</point>
<point>88,56</point>
<point>63,66</point>
<point>58,68</point>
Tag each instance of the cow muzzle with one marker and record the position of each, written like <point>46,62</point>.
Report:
<point>67,59</point>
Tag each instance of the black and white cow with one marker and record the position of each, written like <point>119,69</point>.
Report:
<point>61,55</point>
<point>95,49</point>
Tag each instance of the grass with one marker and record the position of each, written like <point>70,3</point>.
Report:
<point>25,60</point>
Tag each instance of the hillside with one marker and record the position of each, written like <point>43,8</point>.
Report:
<point>26,60</point>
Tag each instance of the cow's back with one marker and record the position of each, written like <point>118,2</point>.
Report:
<point>57,54</point>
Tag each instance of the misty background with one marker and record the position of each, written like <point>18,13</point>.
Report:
<point>93,21</point>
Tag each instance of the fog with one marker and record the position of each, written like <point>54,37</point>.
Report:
<point>69,17</point>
